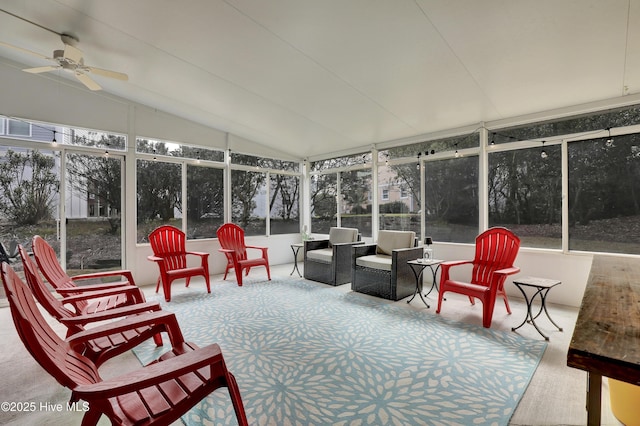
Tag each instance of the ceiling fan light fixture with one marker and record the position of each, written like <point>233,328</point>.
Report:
<point>71,59</point>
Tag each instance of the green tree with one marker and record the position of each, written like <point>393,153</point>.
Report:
<point>100,176</point>
<point>284,195</point>
<point>205,192</point>
<point>323,196</point>
<point>29,186</point>
<point>245,186</point>
<point>159,184</point>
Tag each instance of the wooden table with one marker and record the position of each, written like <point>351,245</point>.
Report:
<point>606,339</point>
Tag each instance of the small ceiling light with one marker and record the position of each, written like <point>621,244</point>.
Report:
<point>456,154</point>
<point>54,141</point>
<point>609,142</point>
<point>419,155</point>
<point>493,139</point>
<point>543,153</point>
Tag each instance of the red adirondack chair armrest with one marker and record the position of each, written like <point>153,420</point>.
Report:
<point>156,259</point>
<point>133,292</point>
<point>89,295</point>
<point>204,257</point>
<point>96,287</point>
<point>166,319</point>
<point>264,249</point>
<point>112,313</point>
<point>198,253</point>
<point>152,374</point>
<point>496,282</point>
<point>507,271</point>
<point>121,273</point>
<point>229,252</point>
<point>445,266</point>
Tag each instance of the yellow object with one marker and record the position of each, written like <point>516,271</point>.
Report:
<point>625,402</point>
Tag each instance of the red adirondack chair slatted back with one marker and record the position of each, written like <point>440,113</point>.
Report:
<point>46,298</point>
<point>169,243</point>
<point>231,237</point>
<point>48,262</point>
<point>496,248</point>
<point>49,350</point>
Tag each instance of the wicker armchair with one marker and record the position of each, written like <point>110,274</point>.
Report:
<point>329,261</point>
<point>381,269</point>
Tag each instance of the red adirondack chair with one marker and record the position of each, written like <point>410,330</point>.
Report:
<point>496,250</point>
<point>127,294</point>
<point>231,238</point>
<point>99,349</point>
<point>170,253</point>
<point>159,393</point>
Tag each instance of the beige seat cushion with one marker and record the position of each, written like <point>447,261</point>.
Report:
<point>376,261</point>
<point>324,255</point>
<point>342,235</point>
<point>391,240</point>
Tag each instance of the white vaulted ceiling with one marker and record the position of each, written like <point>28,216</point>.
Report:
<point>313,77</point>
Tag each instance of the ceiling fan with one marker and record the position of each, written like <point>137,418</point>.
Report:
<point>70,59</point>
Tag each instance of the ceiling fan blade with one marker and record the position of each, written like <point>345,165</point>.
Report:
<point>87,81</point>
<point>30,52</point>
<point>38,70</point>
<point>72,53</point>
<point>108,73</point>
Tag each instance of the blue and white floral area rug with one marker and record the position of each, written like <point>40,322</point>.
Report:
<point>307,354</point>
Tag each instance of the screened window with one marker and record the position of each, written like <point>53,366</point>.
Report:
<point>399,207</point>
<point>249,201</point>
<point>284,204</point>
<point>619,117</point>
<point>29,197</point>
<point>451,199</point>
<point>525,194</point>
<point>205,201</point>
<point>355,208</point>
<point>93,138</point>
<point>159,192</point>
<point>604,195</point>
<point>339,162</point>
<point>427,148</point>
<point>263,162</point>
<point>324,206</point>
<point>173,149</point>
<point>93,212</point>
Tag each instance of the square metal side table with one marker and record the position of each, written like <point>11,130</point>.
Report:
<point>542,287</point>
<point>418,266</point>
<point>295,247</point>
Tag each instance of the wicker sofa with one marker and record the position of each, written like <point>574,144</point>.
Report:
<point>381,269</point>
<point>329,261</point>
